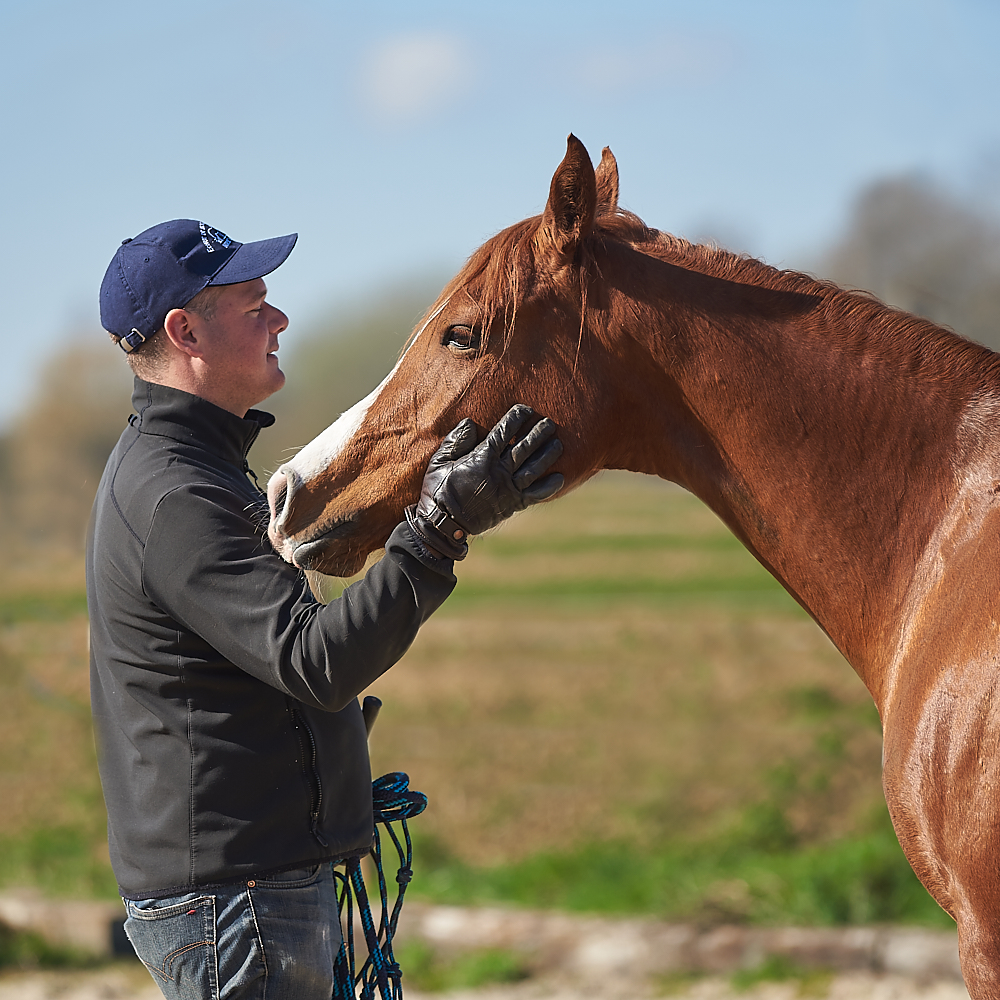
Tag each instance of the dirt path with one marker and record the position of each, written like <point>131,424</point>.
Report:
<point>125,981</point>
<point>129,982</point>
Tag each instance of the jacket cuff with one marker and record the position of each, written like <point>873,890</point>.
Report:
<point>434,536</point>
<point>404,537</point>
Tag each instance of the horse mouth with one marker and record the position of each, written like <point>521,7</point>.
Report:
<point>311,553</point>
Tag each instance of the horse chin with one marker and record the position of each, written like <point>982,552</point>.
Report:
<point>328,558</point>
<point>333,551</point>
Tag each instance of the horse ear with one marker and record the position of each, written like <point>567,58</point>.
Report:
<point>607,183</point>
<point>572,205</point>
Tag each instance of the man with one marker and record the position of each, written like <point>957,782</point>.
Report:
<point>232,749</point>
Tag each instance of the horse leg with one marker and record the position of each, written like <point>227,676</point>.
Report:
<point>967,890</point>
<point>979,951</point>
<point>938,785</point>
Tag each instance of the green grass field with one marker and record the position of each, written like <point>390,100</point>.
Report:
<point>617,710</point>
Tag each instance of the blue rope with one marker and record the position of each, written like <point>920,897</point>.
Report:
<point>393,802</point>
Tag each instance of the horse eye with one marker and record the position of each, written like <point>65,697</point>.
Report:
<point>462,338</point>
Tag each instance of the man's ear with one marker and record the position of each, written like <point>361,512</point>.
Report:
<point>180,328</point>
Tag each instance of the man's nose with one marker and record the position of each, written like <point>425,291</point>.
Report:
<point>276,320</point>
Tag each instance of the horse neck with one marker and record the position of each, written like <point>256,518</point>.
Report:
<point>830,452</point>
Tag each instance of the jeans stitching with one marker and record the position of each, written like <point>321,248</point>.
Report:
<point>260,941</point>
<point>206,904</point>
<point>167,912</point>
<point>263,883</point>
<point>213,968</point>
<point>168,960</point>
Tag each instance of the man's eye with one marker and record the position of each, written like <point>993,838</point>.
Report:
<point>462,338</point>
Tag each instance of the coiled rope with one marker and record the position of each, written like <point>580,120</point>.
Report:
<point>393,802</point>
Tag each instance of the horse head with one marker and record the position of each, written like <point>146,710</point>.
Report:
<point>508,328</point>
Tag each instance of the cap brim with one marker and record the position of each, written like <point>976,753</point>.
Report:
<point>254,260</point>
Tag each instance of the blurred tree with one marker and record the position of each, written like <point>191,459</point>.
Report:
<point>55,452</point>
<point>922,249</point>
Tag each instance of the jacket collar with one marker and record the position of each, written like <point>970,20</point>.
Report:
<point>190,419</point>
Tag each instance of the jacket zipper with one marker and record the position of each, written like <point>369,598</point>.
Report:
<point>310,770</point>
<point>247,471</point>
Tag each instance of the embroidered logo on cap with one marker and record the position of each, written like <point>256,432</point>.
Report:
<point>210,235</point>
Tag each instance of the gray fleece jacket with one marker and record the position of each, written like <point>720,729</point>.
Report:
<point>230,740</point>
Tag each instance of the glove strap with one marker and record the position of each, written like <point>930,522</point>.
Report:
<point>440,531</point>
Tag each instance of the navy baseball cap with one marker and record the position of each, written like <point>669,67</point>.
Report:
<point>163,268</point>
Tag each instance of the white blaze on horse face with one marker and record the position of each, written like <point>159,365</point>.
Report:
<point>324,449</point>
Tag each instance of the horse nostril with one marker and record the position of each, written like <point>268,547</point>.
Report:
<point>278,494</point>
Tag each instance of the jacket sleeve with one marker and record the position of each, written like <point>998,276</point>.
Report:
<point>207,566</point>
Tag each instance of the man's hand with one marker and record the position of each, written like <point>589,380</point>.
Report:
<point>471,488</point>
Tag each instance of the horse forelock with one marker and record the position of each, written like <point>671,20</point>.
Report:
<point>498,277</point>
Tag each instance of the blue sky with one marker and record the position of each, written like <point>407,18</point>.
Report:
<point>395,137</point>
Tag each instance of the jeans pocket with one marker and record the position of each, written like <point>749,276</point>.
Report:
<point>176,942</point>
<point>297,878</point>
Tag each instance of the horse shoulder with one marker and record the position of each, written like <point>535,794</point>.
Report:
<point>942,716</point>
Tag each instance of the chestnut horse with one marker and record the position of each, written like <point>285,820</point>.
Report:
<point>852,448</point>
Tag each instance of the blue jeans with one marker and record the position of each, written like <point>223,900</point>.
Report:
<point>273,939</point>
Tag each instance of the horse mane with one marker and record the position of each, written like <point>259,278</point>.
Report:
<point>504,271</point>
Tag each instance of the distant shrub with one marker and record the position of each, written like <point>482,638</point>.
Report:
<point>431,972</point>
<point>26,950</point>
<point>60,861</point>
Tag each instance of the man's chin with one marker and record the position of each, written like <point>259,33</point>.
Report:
<point>277,379</point>
<point>267,390</point>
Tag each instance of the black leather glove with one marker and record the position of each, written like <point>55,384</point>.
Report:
<point>470,488</point>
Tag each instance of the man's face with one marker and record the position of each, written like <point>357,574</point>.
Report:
<point>239,342</point>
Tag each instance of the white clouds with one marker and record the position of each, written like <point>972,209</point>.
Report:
<point>404,78</point>
<point>408,76</point>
